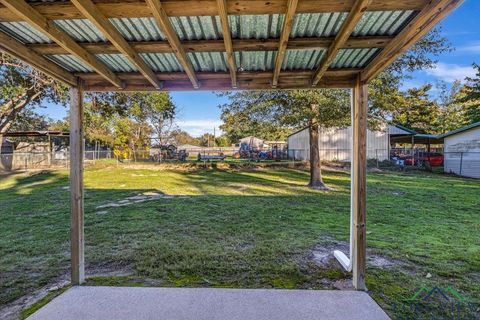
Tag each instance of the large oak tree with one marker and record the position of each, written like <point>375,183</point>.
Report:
<point>264,110</point>
<point>21,88</point>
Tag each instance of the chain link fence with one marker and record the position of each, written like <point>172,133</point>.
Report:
<point>460,163</point>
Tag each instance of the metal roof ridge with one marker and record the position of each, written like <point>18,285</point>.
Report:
<point>462,129</point>
<point>404,128</point>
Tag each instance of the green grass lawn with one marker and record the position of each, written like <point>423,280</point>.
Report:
<point>242,228</point>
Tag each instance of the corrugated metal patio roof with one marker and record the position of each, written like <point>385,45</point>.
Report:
<point>294,43</point>
<point>306,25</point>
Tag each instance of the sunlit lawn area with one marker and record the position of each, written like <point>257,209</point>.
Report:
<point>240,228</point>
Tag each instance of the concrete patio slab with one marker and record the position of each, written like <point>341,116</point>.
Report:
<point>118,303</point>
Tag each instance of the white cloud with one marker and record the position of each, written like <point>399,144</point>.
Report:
<point>451,72</point>
<point>472,47</point>
<point>197,127</point>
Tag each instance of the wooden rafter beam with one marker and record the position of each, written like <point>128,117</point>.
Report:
<point>348,26</point>
<point>18,50</point>
<point>227,39</point>
<point>167,29</point>
<point>282,46</point>
<point>48,27</point>
<point>138,8</point>
<point>219,45</point>
<point>430,15</point>
<point>88,9</point>
<point>224,84</point>
<point>224,76</point>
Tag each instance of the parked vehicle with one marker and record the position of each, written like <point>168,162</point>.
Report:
<point>167,152</point>
<point>435,159</point>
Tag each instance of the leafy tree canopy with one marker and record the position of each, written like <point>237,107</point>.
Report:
<point>21,87</point>
<point>272,115</point>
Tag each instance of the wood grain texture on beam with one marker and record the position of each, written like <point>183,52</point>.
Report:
<point>77,240</point>
<point>430,15</point>
<point>138,8</point>
<point>224,84</point>
<point>348,26</point>
<point>359,182</point>
<point>88,9</point>
<point>282,46</point>
<point>167,29</point>
<point>34,18</point>
<point>18,50</point>
<point>227,39</point>
<point>244,75</point>
<point>218,45</point>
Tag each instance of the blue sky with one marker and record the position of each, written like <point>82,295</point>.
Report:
<point>199,112</point>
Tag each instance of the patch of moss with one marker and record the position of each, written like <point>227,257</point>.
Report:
<point>334,274</point>
<point>114,281</point>
<point>27,312</point>
<point>287,282</point>
<point>187,280</point>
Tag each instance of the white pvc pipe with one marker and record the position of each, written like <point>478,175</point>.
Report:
<point>345,261</point>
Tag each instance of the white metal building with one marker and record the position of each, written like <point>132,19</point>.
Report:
<point>335,144</point>
<point>462,151</point>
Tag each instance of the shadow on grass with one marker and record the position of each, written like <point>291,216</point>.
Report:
<point>251,239</point>
<point>252,228</point>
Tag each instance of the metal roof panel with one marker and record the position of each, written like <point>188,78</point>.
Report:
<point>81,30</point>
<point>69,62</point>
<point>382,23</point>
<point>117,62</point>
<point>208,61</point>
<point>197,28</point>
<point>256,26</point>
<point>162,62</point>
<point>255,60</point>
<point>138,29</point>
<point>353,58</point>
<point>317,24</point>
<point>23,32</point>
<point>302,59</point>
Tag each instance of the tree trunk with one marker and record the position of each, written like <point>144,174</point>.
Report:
<point>316,181</point>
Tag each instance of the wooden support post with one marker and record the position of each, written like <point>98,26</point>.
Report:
<point>359,183</point>
<point>76,186</point>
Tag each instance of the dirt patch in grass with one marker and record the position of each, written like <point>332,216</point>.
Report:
<point>139,198</point>
<point>13,310</point>
<point>322,255</point>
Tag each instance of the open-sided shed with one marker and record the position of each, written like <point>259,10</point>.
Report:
<point>131,45</point>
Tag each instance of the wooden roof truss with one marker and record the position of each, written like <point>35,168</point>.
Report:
<point>41,16</point>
